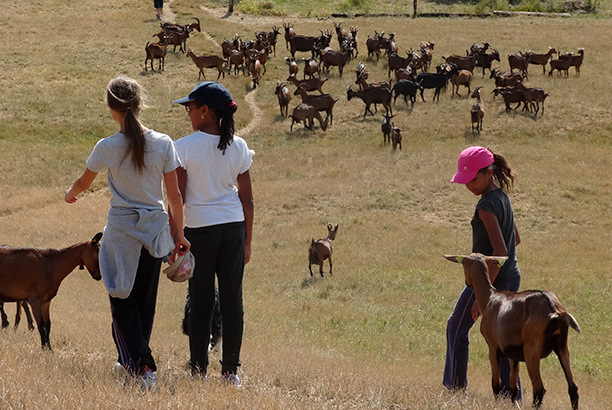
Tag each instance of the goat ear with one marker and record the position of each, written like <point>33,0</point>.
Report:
<point>97,237</point>
<point>498,260</point>
<point>454,258</point>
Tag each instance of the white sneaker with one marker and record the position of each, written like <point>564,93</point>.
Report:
<point>232,379</point>
<point>148,379</point>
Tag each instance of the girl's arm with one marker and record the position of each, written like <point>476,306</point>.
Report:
<point>516,234</point>
<point>175,203</point>
<point>245,194</point>
<point>181,175</point>
<point>496,238</point>
<point>80,185</point>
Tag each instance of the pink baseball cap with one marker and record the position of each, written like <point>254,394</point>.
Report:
<point>471,160</point>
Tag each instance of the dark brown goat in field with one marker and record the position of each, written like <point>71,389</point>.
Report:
<point>35,275</point>
<point>321,249</point>
<point>524,327</point>
<point>540,59</point>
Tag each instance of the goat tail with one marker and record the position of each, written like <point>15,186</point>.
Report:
<point>572,322</point>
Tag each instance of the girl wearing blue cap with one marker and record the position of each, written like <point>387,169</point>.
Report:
<point>218,203</point>
<point>137,235</point>
<point>494,233</point>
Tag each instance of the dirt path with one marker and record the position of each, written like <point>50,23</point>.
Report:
<point>250,97</point>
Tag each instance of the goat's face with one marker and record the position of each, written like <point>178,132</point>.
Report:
<point>331,231</point>
<point>89,257</point>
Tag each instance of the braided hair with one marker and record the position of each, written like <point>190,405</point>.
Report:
<point>226,125</point>
<point>125,95</point>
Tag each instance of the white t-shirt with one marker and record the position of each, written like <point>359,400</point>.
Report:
<point>211,194</point>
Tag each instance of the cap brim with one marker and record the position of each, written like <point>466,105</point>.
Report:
<point>463,177</point>
<point>183,101</point>
<point>175,266</point>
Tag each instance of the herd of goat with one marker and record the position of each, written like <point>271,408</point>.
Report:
<point>412,74</point>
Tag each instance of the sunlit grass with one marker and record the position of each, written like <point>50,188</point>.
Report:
<point>371,335</point>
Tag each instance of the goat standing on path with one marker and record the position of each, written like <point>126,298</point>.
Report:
<point>321,249</point>
<point>35,275</point>
<point>524,327</point>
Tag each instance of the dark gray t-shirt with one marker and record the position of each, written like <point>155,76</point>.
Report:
<point>498,203</point>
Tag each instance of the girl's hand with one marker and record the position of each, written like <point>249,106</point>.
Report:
<point>69,198</point>
<point>181,245</point>
<point>247,253</point>
<point>475,311</point>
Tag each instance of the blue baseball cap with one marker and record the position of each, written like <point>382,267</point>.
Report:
<point>212,94</point>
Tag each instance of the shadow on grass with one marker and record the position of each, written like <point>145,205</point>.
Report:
<point>312,281</point>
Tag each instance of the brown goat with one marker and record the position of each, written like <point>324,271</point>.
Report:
<point>377,95</point>
<point>463,77</point>
<point>576,59</point>
<point>321,249</point>
<point>540,59</point>
<point>237,60</point>
<point>478,111</point>
<point>532,97</point>
<point>156,51</point>
<point>289,33</point>
<point>323,102</point>
<point>311,67</point>
<point>284,97</point>
<point>335,58</point>
<point>305,112</point>
<point>563,64</point>
<point>293,66</point>
<point>386,128</point>
<point>35,275</point>
<point>210,61</point>
<point>519,62</point>
<point>524,327</point>
<point>308,85</point>
<point>228,45</point>
<point>255,70</point>
<point>462,62</point>
<point>396,137</point>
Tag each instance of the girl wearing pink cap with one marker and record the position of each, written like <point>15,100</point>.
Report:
<point>494,233</point>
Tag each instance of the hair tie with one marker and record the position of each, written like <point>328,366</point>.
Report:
<point>232,104</point>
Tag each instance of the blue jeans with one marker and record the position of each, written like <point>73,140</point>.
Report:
<point>458,341</point>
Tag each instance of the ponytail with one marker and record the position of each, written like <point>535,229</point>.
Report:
<point>226,126</point>
<point>502,173</point>
<point>124,95</point>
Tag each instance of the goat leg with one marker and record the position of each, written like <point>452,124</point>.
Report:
<point>564,358</point>
<point>495,370</point>
<point>26,309</point>
<point>5,321</point>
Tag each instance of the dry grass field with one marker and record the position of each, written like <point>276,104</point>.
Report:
<point>372,336</point>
